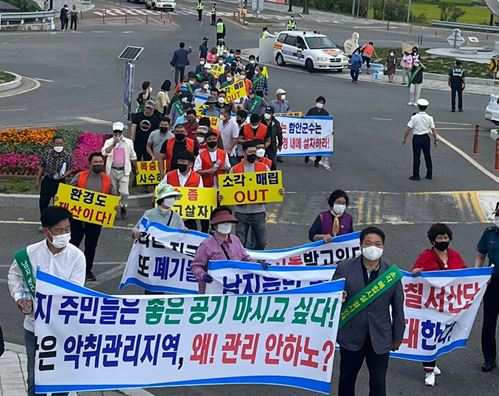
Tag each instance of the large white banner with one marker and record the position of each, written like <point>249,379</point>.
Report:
<point>440,306</point>
<point>307,135</point>
<point>90,342</point>
<point>236,277</point>
<point>160,260</point>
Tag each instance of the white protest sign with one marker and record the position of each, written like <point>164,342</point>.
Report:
<point>93,342</point>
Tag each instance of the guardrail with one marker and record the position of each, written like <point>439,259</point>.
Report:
<point>465,26</point>
<point>23,20</point>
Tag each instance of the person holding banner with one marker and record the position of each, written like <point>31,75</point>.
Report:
<point>489,246</point>
<point>212,162</point>
<point>94,179</point>
<point>280,103</point>
<point>335,221</point>
<point>372,327</point>
<point>173,147</point>
<point>55,256</point>
<point>318,110</point>
<point>222,245</point>
<point>255,104</point>
<point>437,258</point>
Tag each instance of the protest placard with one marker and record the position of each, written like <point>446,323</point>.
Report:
<point>199,103</point>
<point>306,135</point>
<point>183,340</point>
<point>148,173</point>
<point>235,91</point>
<point>196,203</point>
<point>217,69</point>
<point>88,206</point>
<point>160,259</point>
<point>236,277</point>
<point>250,188</point>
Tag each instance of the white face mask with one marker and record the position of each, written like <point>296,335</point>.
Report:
<point>220,62</point>
<point>221,100</point>
<point>224,228</point>
<point>372,253</point>
<point>283,97</point>
<point>168,203</point>
<point>260,153</point>
<point>60,241</point>
<point>319,105</point>
<point>200,139</point>
<point>229,79</point>
<point>338,209</point>
<point>201,63</point>
<point>252,62</point>
<point>58,149</point>
<point>192,82</point>
<point>150,89</point>
<point>206,87</point>
<point>267,116</point>
<point>184,100</point>
<point>496,221</point>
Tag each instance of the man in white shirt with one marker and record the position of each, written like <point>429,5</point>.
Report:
<point>421,125</point>
<point>229,131</point>
<point>55,256</point>
<point>122,159</point>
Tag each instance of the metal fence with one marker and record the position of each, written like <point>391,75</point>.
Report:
<point>13,19</point>
<point>466,26</point>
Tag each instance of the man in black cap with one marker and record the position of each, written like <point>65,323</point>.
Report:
<point>456,84</point>
<point>274,131</point>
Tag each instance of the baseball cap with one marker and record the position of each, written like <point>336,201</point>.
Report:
<point>280,91</point>
<point>269,110</point>
<point>150,103</point>
<point>422,102</point>
<point>118,126</point>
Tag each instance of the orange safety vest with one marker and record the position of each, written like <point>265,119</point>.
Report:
<point>266,161</point>
<point>207,163</point>
<point>259,167</point>
<point>106,181</point>
<point>173,180</point>
<point>260,134</point>
<point>169,149</point>
<point>368,50</point>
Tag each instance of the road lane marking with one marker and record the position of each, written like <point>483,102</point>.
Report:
<point>452,123</point>
<point>8,95</point>
<point>42,79</point>
<point>94,120</point>
<point>382,119</point>
<point>9,110</point>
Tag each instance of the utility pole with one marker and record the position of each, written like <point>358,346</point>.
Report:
<point>353,7</point>
<point>305,7</point>
<point>409,12</point>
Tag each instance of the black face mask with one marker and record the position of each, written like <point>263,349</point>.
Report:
<point>163,129</point>
<point>212,144</point>
<point>98,168</point>
<point>442,246</point>
<point>179,137</point>
<point>251,158</point>
<point>182,167</point>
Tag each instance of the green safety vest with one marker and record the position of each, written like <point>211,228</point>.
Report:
<point>213,10</point>
<point>264,34</point>
<point>220,27</point>
<point>200,6</point>
<point>291,25</point>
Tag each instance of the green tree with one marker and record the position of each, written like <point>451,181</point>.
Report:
<point>449,12</point>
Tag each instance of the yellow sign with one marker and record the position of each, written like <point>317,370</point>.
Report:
<point>196,203</point>
<point>148,173</point>
<point>265,72</point>
<point>235,91</point>
<point>250,188</point>
<point>217,69</point>
<point>291,114</point>
<point>199,102</point>
<point>88,206</point>
<point>213,122</point>
<point>494,65</point>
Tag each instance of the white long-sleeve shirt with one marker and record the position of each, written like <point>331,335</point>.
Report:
<point>69,265</point>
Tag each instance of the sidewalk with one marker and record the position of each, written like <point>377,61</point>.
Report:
<point>13,376</point>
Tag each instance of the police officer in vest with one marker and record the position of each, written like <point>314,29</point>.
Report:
<point>456,84</point>
<point>291,25</point>
<point>488,246</point>
<point>213,14</point>
<point>200,8</point>
<point>220,29</point>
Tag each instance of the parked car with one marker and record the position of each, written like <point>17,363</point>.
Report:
<point>492,109</point>
<point>136,1</point>
<point>161,4</point>
<point>312,50</point>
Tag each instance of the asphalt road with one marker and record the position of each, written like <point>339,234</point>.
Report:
<point>86,80</point>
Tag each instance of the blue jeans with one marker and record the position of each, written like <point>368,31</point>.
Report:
<point>30,342</point>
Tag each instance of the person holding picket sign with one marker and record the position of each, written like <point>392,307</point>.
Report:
<point>437,258</point>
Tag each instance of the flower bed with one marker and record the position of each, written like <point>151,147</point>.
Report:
<point>20,150</point>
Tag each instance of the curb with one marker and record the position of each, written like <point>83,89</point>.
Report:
<point>16,83</point>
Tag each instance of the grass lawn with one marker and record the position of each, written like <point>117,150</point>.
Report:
<point>473,14</point>
<point>6,77</point>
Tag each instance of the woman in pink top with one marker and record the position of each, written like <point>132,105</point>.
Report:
<point>406,64</point>
<point>212,56</point>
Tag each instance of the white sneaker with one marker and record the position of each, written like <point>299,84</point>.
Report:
<point>410,103</point>
<point>429,379</point>
<point>437,371</point>
<point>415,104</point>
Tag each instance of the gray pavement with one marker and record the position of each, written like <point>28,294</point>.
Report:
<point>81,85</point>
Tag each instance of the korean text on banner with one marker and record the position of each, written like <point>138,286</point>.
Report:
<point>183,341</point>
<point>196,203</point>
<point>236,277</point>
<point>199,103</point>
<point>217,69</point>
<point>235,91</point>
<point>290,114</point>
<point>160,260</point>
<point>440,308</point>
<point>88,206</point>
<point>306,135</point>
<point>250,188</point>
<point>148,173</point>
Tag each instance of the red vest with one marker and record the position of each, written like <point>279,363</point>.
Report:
<point>259,167</point>
<point>266,161</point>
<point>173,180</point>
<point>106,181</point>
<point>261,132</point>
<point>207,163</point>
<point>189,145</point>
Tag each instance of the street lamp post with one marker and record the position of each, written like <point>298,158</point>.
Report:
<point>409,12</point>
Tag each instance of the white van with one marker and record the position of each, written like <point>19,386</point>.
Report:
<point>312,50</point>
<point>161,4</point>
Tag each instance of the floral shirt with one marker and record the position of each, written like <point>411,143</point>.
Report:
<point>53,162</point>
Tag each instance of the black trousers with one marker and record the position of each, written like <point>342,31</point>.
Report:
<point>220,36</point>
<point>350,365</point>
<point>317,158</point>
<point>200,15</point>
<point>48,189</point>
<point>213,19</point>
<point>64,23</point>
<point>179,74</point>
<point>490,314</point>
<point>91,232</point>
<point>73,23</point>
<point>421,143</point>
<point>272,155</point>
<point>141,151</point>
<point>459,91</point>
<point>193,225</point>
<point>354,73</point>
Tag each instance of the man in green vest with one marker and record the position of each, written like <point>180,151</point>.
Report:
<point>220,29</point>
<point>200,8</point>
<point>213,14</point>
<point>291,23</point>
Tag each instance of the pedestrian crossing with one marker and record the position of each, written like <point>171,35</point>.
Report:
<point>144,11</point>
